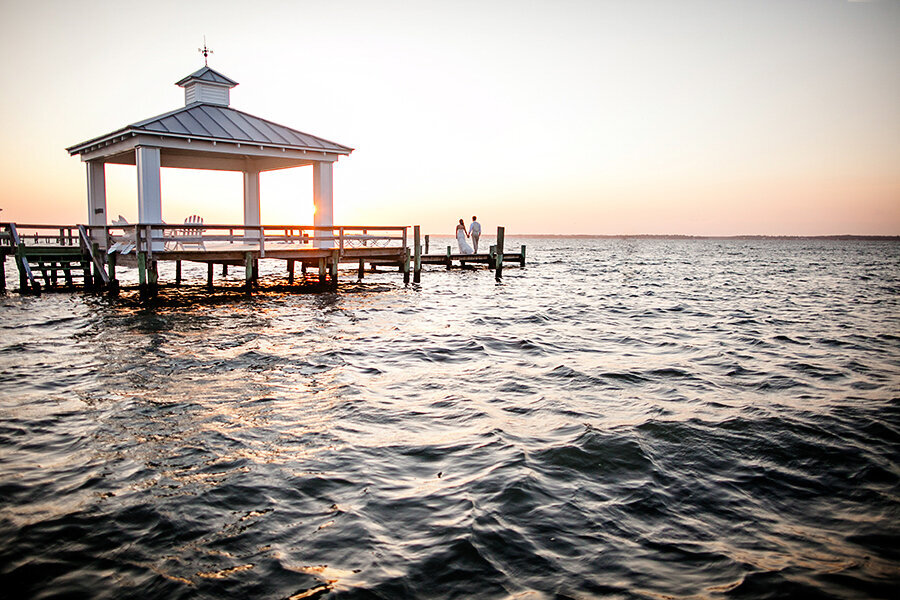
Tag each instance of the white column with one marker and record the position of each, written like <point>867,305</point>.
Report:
<point>149,190</point>
<point>251,202</point>
<point>323,200</point>
<point>96,193</point>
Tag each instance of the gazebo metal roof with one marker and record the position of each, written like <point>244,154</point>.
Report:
<point>210,122</point>
<point>218,136</point>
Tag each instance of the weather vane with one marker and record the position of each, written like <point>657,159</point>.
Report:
<point>205,52</point>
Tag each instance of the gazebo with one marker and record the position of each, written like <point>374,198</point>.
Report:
<point>206,133</point>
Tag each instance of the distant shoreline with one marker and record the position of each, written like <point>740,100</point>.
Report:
<point>653,236</point>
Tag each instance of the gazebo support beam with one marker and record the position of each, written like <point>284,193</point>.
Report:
<point>323,199</point>
<point>251,202</point>
<point>96,194</point>
<point>149,189</point>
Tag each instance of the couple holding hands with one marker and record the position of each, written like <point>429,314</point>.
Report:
<point>461,234</point>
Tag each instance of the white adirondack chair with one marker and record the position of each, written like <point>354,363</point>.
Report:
<point>191,234</point>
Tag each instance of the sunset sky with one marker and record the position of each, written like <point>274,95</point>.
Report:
<point>703,117</point>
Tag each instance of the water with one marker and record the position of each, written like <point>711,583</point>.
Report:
<point>620,419</point>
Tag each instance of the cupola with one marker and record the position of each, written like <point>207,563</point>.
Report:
<point>206,86</point>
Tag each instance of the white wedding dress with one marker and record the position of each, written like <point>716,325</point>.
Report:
<point>464,247</point>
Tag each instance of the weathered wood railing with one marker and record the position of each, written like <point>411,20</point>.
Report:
<point>44,235</point>
<point>189,237</point>
<point>26,276</point>
<point>91,249</point>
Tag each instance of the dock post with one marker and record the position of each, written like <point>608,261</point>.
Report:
<point>67,273</point>
<point>449,260</point>
<point>406,266</point>
<point>177,273</point>
<point>417,264</point>
<point>499,270</point>
<point>249,268</point>
<point>522,257</point>
<point>3,273</point>
<point>113,282</point>
<point>142,269</point>
<point>142,274</point>
<point>492,257</point>
<point>88,278</point>
<point>290,267</point>
<point>427,240</point>
<point>98,280</point>
<point>333,267</point>
<point>362,268</point>
<point>303,267</point>
<point>224,269</point>
<point>209,275</point>
<point>322,270</point>
<point>153,277</point>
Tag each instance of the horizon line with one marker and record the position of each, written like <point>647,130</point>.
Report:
<point>830,236</point>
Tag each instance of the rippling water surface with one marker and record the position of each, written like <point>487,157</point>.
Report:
<point>621,419</point>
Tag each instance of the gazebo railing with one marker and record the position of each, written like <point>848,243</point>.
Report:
<point>42,235</point>
<point>155,238</point>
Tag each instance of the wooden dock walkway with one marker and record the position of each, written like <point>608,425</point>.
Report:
<point>52,257</point>
<point>492,259</point>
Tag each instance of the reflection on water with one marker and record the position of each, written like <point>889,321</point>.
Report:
<point>624,418</point>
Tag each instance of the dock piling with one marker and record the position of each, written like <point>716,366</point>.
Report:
<point>111,262</point>
<point>498,272</point>
<point>417,264</point>
<point>152,278</point>
<point>249,269</point>
<point>427,240</point>
<point>209,275</point>
<point>89,280</point>
<point>333,267</point>
<point>177,273</point>
<point>143,287</point>
<point>290,267</point>
<point>406,266</point>
<point>67,274</point>
<point>142,270</point>
<point>449,260</point>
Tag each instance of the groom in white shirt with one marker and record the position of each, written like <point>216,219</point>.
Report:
<point>475,232</point>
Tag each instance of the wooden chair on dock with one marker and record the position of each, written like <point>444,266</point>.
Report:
<point>123,244</point>
<point>191,233</point>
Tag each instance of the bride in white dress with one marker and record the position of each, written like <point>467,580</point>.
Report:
<point>461,235</point>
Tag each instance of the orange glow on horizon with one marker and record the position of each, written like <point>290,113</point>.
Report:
<point>766,118</point>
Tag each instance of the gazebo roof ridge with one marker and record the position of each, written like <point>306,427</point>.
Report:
<point>207,75</point>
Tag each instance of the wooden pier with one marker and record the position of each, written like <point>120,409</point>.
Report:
<point>495,258</point>
<point>69,256</point>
